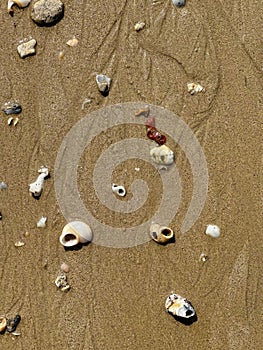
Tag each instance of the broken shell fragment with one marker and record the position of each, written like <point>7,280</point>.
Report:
<point>42,222</point>
<point>3,324</point>
<point>178,3</point>
<point>11,107</point>
<point>213,231</point>
<point>143,112</point>
<point>47,12</point>
<point>119,190</point>
<point>161,234</point>
<point>74,233</point>
<point>139,26</point>
<point>103,83</point>
<point>72,42</point>
<point>27,48</point>
<point>3,186</point>
<point>19,3</point>
<point>162,155</point>
<point>179,306</point>
<point>19,244</point>
<point>61,282</point>
<point>36,187</point>
<point>13,323</point>
<point>194,88</point>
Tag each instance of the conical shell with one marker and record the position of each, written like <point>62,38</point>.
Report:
<point>162,155</point>
<point>179,306</point>
<point>74,233</point>
<point>161,234</point>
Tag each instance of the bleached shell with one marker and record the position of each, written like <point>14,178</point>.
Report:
<point>72,42</point>
<point>213,231</point>
<point>3,323</point>
<point>74,233</point>
<point>139,26</point>
<point>36,187</point>
<point>19,3</point>
<point>42,222</point>
<point>103,83</point>
<point>162,155</point>
<point>178,3</point>
<point>27,48</point>
<point>179,306</point>
<point>119,190</point>
<point>161,234</point>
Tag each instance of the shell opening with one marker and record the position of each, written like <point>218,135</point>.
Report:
<point>69,237</point>
<point>166,232</point>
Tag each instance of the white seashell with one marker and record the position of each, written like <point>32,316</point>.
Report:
<point>103,83</point>
<point>27,48</point>
<point>179,306</point>
<point>162,155</point>
<point>36,187</point>
<point>72,42</point>
<point>42,222</point>
<point>161,234</point>
<point>119,190</point>
<point>194,88</point>
<point>213,231</point>
<point>139,26</point>
<point>74,233</point>
<point>10,121</point>
<point>43,170</point>
<point>85,102</point>
<point>178,3</point>
<point>19,3</point>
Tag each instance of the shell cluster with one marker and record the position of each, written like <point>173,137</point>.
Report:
<point>179,306</point>
<point>74,233</point>
<point>36,187</point>
<point>47,12</point>
<point>162,155</point>
<point>161,234</point>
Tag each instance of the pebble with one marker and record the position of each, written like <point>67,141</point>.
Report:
<point>27,48</point>
<point>139,26</point>
<point>3,186</point>
<point>203,257</point>
<point>65,267</point>
<point>178,3</point>
<point>47,12</point>
<point>42,222</point>
<point>19,244</point>
<point>72,42</point>
<point>162,155</point>
<point>213,231</point>
<point>11,107</point>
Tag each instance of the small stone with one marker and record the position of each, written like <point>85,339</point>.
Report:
<point>203,257</point>
<point>139,26</point>
<point>72,42</point>
<point>213,231</point>
<point>10,121</point>
<point>42,222</point>
<point>103,83</point>
<point>47,12</point>
<point>27,48</point>
<point>65,267</point>
<point>3,186</point>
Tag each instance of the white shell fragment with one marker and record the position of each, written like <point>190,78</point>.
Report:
<point>61,282</point>
<point>162,155</point>
<point>179,306</point>
<point>19,244</point>
<point>213,231</point>
<point>103,83</point>
<point>27,48</point>
<point>74,233</point>
<point>36,187</point>
<point>11,107</point>
<point>3,186</point>
<point>19,3</point>
<point>194,88</point>
<point>161,234</point>
<point>72,42</point>
<point>42,222</point>
<point>139,26</point>
<point>119,190</point>
<point>178,3</point>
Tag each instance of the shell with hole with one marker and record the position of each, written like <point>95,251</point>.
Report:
<point>119,190</point>
<point>19,3</point>
<point>179,306</point>
<point>161,234</point>
<point>75,232</point>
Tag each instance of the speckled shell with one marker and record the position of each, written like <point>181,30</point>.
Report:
<point>162,155</point>
<point>74,233</point>
<point>161,234</point>
<point>179,306</point>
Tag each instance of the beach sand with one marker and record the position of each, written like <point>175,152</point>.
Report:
<point>117,296</point>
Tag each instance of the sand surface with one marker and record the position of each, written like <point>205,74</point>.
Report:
<point>117,296</point>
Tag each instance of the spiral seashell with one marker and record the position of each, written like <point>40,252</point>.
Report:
<point>74,233</point>
<point>179,306</point>
<point>3,324</point>
<point>161,234</point>
<point>19,3</point>
<point>162,155</point>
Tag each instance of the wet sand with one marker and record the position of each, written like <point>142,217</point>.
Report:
<point>117,296</point>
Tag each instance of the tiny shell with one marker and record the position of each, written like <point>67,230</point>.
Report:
<point>74,233</point>
<point>42,222</point>
<point>179,306</point>
<point>119,190</point>
<point>194,88</point>
<point>213,231</point>
<point>161,234</point>
<point>11,107</point>
<point>103,83</point>
<point>178,3</point>
<point>16,121</point>
<point>72,42</point>
<point>10,121</point>
<point>162,155</point>
<point>85,102</point>
<point>27,48</point>
<point>65,267</point>
<point>47,12</point>
<point>3,324</point>
<point>13,323</point>
<point>139,26</point>
<point>19,244</point>
<point>19,3</point>
<point>203,257</point>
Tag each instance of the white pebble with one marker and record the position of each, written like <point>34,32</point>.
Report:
<point>213,231</point>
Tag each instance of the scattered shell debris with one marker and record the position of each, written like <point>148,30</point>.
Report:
<point>65,267</point>
<point>61,282</point>
<point>72,42</point>
<point>143,112</point>
<point>85,102</point>
<point>42,222</point>
<point>203,257</point>
<point>194,88</point>
<point>47,12</point>
<point>179,306</point>
<point>12,324</point>
<point>103,83</point>
<point>162,155</point>
<point>3,324</point>
<point>213,231</point>
<point>139,26</point>
<point>178,3</point>
<point>161,234</point>
<point>3,186</point>
<point>74,233</point>
<point>36,187</point>
<point>119,190</point>
<point>19,244</point>
<point>19,3</point>
<point>27,48</point>
<point>11,107</point>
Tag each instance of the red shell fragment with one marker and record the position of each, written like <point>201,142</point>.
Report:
<point>154,134</point>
